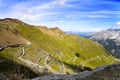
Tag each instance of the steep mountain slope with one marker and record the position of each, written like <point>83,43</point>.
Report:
<point>8,35</point>
<point>49,50</point>
<point>110,39</point>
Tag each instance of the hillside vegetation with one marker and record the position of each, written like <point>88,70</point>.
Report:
<point>109,72</point>
<point>49,50</point>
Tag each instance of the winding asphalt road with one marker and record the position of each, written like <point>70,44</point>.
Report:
<point>23,49</point>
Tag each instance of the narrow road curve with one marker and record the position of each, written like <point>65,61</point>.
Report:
<point>39,59</point>
<point>60,55</point>
<point>70,59</point>
<point>60,64</point>
<point>33,66</point>
<point>23,49</point>
<point>48,64</point>
<point>45,60</point>
<point>62,67</point>
<point>89,61</point>
<point>1,48</point>
<point>51,61</point>
<point>74,60</point>
<point>97,57</point>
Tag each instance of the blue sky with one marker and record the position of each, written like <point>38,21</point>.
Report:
<point>69,15</point>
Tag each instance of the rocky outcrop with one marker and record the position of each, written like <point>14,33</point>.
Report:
<point>10,70</point>
<point>3,77</point>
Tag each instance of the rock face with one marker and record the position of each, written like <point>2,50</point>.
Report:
<point>3,77</point>
<point>110,39</point>
<point>111,72</point>
<point>10,70</point>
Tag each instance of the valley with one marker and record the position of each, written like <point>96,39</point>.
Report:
<point>47,51</point>
<point>59,39</point>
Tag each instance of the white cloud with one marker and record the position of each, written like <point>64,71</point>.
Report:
<point>100,12</point>
<point>96,16</point>
<point>106,12</point>
<point>118,23</point>
<point>61,21</point>
<point>28,11</point>
<point>31,17</point>
<point>62,2</point>
<point>50,5</point>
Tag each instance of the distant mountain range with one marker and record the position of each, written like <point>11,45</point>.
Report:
<point>110,39</point>
<point>81,34</point>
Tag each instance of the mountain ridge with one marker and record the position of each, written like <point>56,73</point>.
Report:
<point>110,39</point>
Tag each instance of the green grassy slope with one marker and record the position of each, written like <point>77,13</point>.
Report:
<point>67,53</point>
